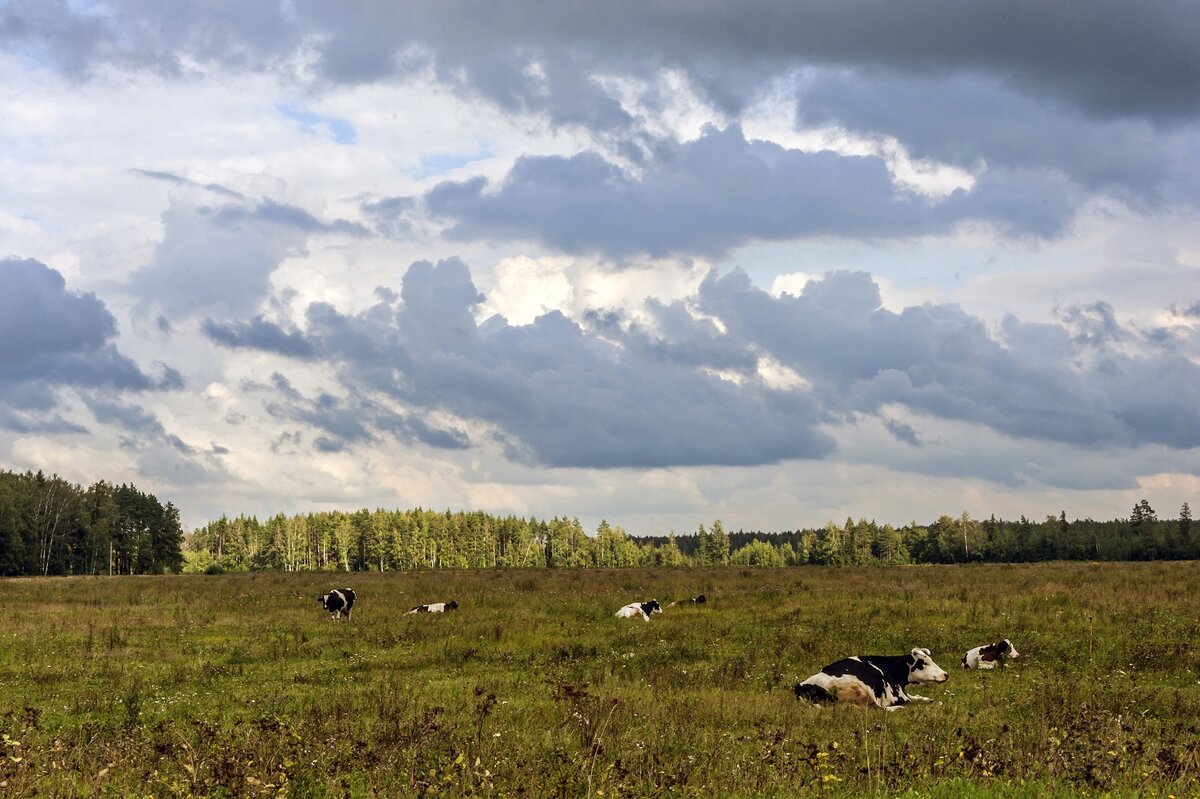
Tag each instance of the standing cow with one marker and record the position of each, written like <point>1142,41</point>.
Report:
<point>878,680</point>
<point>338,602</point>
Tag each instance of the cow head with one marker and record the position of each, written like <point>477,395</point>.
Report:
<point>652,606</point>
<point>451,605</point>
<point>921,668</point>
<point>1007,649</point>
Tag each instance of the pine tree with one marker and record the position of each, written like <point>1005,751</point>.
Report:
<point>719,543</point>
<point>703,547</point>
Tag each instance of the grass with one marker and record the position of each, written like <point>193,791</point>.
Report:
<point>240,685</point>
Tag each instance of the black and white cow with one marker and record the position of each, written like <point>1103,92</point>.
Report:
<point>436,607</point>
<point>986,657</point>
<point>639,610</point>
<point>696,600</point>
<point>338,602</point>
<point>878,680</point>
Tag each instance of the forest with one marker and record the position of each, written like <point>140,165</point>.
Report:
<point>387,540</point>
<point>50,526</point>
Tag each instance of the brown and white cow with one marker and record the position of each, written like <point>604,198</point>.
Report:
<point>878,680</point>
<point>987,657</point>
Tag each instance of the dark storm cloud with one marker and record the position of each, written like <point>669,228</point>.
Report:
<point>40,318</point>
<point>709,196</point>
<point>53,338</point>
<point>720,191</point>
<point>1110,57</point>
<point>969,120</point>
<point>1051,103</point>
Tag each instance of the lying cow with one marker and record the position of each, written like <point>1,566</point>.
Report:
<point>878,680</point>
<point>639,610</point>
<point>436,607</point>
<point>338,602</point>
<point>696,600</point>
<point>986,657</point>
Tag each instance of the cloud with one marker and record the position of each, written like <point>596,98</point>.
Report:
<point>258,334</point>
<point>1112,59</point>
<point>351,420</point>
<point>53,338</point>
<point>554,393</point>
<point>981,122</point>
<point>41,319</point>
<point>682,389</point>
<point>218,258</point>
<point>159,454</point>
<point>938,360</point>
<point>706,197</point>
<point>178,180</point>
<point>721,191</point>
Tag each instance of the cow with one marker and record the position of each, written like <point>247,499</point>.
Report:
<point>338,602</point>
<point>878,680</point>
<point>639,610</point>
<point>986,657</point>
<point>696,600</point>
<point>436,607</point>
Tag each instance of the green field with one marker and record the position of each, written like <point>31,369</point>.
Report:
<point>240,685</point>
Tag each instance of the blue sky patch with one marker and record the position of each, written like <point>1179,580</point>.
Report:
<point>441,163</point>
<point>336,128</point>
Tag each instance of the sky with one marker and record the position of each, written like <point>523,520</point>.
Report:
<point>776,263</point>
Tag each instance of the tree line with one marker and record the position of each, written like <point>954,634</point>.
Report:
<point>397,540</point>
<point>50,526</point>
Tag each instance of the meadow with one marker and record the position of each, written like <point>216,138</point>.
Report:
<point>240,685</point>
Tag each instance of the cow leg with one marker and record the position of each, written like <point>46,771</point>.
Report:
<point>915,698</point>
<point>987,664</point>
